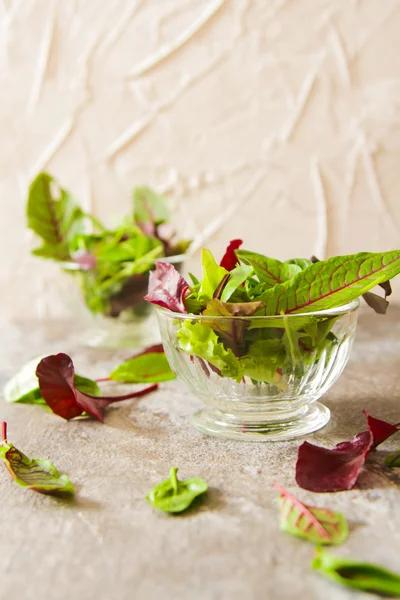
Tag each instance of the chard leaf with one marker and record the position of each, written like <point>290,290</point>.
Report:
<point>149,207</point>
<point>393,460</point>
<point>269,270</point>
<point>331,283</point>
<point>197,340</point>
<point>52,215</point>
<point>146,367</point>
<point>230,260</point>
<point>56,381</point>
<point>212,276</point>
<point>317,525</point>
<point>167,288</point>
<point>35,474</point>
<point>24,386</point>
<point>175,496</point>
<point>361,576</point>
<point>321,469</point>
<point>237,277</point>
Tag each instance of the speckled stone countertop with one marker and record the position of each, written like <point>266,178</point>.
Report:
<point>109,543</point>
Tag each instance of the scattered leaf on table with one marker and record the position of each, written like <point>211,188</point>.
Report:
<point>35,474</point>
<point>56,381</point>
<point>361,576</point>
<point>167,287</point>
<point>379,429</point>
<point>23,388</point>
<point>229,259</point>
<point>150,366</point>
<point>175,496</point>
<point>321,469</point>
<point>393,460</point>
<point>317,525</point>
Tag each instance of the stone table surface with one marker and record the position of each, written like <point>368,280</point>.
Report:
<point>109,543</point>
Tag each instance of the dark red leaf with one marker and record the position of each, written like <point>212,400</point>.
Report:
<point>167,288</point>
<point>380,430</point>
<point>56,381</point>
<point>156,349</point>
<point>229,260</point>
<point>332,470</point>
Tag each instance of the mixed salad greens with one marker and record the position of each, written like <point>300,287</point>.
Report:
<point>112,265</point>
<point>246,285</point>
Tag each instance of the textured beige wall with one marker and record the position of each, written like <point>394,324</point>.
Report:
<point>273,120</point>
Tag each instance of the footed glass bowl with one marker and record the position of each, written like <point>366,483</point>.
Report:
<point>126,320</point>
<point>259,377</point>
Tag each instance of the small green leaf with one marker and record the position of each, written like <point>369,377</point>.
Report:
<point>35,474</point>
<point>212,276</point>
<point>393,460</point>
<point>149,207</point>
<point>303,263</point>
<point>145,368</point>
<point>53,215</point>
<point>317,525</point>
<point>238,275</point>
<point>175,496</point>
<point>358,575</point>
<point>269,270</point>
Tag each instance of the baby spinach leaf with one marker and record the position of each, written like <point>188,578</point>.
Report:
<point>317,525</point>
<point>361,576</point>
<point>321,469</point>
<point>230,260</point>
<point>393,460</point>
<point>167,288</point>
<point>269,270</point>
<point>212,276</point>
<point>35,474</point>
<point>330,283</point>
<point>56,380</point>
<point>52,215</point>
<point>149,367</point>
<point>175,496</point>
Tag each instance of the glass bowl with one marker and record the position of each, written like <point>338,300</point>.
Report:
<point>259,377</point>
<point>126,321</point>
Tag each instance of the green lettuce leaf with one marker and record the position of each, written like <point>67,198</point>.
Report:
<point>263,361</point>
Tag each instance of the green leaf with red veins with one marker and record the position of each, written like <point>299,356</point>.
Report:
<point>36,474</point>
<point>268,270</point>
<point>317,525</point>
<point>331,283</point>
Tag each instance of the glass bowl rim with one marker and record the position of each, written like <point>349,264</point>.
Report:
<point>336,311</point>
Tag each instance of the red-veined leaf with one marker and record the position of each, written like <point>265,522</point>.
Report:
<point>317,525</point>
<point>56,381</point>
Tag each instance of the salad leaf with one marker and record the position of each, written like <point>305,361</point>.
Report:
<point>380,430</point>
<point>52,215</point>
<point>56,381</point>
<point>145,367</point>
<point>237,277</point>
<point>229,259</point>
<point>24,386</point>
<point>359,575</point>
<point>393,460</point>
<point>150,209</point>
<point>331,282</point>
<point>212,276</point>
<point>35,474</point>
<point>167,288</point>
<point>175,496</point>
<point>332,470</point>
<point>317,525</point>
<point>269,270</point>
<point>194,339</point>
